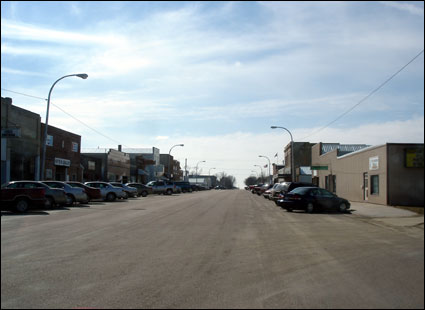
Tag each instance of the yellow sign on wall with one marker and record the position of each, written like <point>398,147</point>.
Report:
<point>415,158</point>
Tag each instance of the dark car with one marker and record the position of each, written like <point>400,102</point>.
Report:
<point>54,196</point>
<point>285,187</point>
<point>313,199</point>
<point>142,190</point>
<point>21,198</point>
<point>185,186</point>
<point>92,193</point>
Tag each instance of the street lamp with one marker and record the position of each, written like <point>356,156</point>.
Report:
<point>196,178</point>
<point>270,176</point>
<point>292,152</point>
<point>169,158</point>
<point>43,156</point>
<point>261,171</point>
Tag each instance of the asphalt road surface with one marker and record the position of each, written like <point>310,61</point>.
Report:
<point>212,249</point>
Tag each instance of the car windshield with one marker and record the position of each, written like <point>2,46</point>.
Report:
<point>300,190</point>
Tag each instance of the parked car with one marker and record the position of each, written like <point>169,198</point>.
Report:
<point>92,193</point>
<point>73,194</point>
<point>54,196</point>
<point>21,196</point>
<point>313,199</point>
<point>162,187</point>
<point>142,190</point>
<point>108,191</point>
<point>185,186</point>
<point>256,188</point>
<point>268,193</point>
<point>130,191</point>
<point>259,190</point>
<point>286,187</point>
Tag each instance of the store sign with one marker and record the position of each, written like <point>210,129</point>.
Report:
<point>11,133</point>
<point>75,147</point>
<point>415,158</point>
<point>319,168</point>
<point>374,163</point>
<point>62,162</point>
<point>49,140</point>
<point>92,165</point>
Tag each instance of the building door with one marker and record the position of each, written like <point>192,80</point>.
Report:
<point>365,186</point>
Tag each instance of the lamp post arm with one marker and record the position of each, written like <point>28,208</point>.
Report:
<point>43,159</point>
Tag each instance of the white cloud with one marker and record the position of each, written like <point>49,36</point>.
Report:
<point>407,7</point>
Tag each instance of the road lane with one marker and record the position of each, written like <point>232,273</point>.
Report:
<point>213,249</point>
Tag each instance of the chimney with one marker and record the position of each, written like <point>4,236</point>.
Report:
<point>120,148</point>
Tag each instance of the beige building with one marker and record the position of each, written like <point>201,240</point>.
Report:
<point>389,174</point>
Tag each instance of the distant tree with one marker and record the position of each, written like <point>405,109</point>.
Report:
<point>228,181</point>
<point>251,180</point>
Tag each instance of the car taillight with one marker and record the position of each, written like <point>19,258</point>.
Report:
<point>296,197</point>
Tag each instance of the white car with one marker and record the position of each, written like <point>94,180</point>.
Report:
<point>131,191</point>
<point>109,192</point>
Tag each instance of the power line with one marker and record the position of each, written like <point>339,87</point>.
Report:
<point>369,95</point>
<point>96,131</point>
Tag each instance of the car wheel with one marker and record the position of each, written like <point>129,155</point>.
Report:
<point>289,209</point>
<point>144,194</point>
<point>310,208</point>
<point>70,199</point>
<point>22,205</point>
<point>342,207</point>
<point>50,203</point>
<point>110,197</point>
<point>169,191</point>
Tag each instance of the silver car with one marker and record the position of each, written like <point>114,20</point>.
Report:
<point>162,187</point>
<point>131,191</point>
<point>73,194</point>
<point>108,191</point>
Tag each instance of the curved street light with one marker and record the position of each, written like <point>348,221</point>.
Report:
<point>261,168</point>
<point>196,178</point>
<point>292,152</point>
<point>43,156</point>
<point>270,176</point>
<point>169,159</point>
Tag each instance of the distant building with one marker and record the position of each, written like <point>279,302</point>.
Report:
<point>302,158</point>
<point>145,164</point>
<point>107,165</point>
<point>388,174</point>
<point>207,181</point>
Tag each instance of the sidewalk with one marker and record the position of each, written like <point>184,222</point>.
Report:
<point>387,214</point>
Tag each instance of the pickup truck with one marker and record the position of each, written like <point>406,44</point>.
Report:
<point>21,199</point>
<point>162,187</point>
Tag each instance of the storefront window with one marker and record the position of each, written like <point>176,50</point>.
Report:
<point>374,180</point>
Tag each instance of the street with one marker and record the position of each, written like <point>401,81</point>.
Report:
<point>210,249</point>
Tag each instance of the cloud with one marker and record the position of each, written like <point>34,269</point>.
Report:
<point>28,32</point>
<point>406,7</point>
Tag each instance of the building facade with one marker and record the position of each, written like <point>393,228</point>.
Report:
<point>389,174</point>
<point>20,143</point>
<point>302,158</point>
<point>63,162</point>
<point>108,165</point>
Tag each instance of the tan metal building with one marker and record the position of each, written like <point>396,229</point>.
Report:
<point>389,174</point>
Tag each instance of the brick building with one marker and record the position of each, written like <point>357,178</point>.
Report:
<point>62,155</point>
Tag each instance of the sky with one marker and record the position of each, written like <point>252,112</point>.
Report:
<point>215,76</point>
